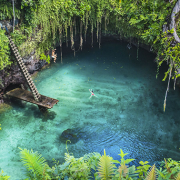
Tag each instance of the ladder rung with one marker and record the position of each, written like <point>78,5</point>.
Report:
<point>26,74</point>
<point>20,59</point>
<point>17,57</point>
<point>12,44</point>
<point>29,78</point>
<point>22,67</point>
<point>32,84</point>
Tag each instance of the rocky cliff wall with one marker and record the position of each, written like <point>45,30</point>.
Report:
<point>12,77</point>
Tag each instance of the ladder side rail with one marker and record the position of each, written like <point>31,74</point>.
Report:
<point>24,70</point>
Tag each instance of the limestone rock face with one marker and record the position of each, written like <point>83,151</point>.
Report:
<point>13,76</point>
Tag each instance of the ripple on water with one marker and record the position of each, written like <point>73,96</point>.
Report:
<point>98,138</point>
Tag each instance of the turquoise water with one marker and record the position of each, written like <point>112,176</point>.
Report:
<point>127,113</point>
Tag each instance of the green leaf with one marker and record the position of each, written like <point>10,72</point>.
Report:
<point>127,161</point>
<point>116,161</point>
<point>122,154</point>
<point>106,167</point>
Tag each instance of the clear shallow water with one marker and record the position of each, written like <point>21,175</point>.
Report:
<point>127,113</point>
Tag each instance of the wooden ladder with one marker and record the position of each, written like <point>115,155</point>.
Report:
<point>24,70</point>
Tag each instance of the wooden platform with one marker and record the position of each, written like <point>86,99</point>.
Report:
<point>25,95</point>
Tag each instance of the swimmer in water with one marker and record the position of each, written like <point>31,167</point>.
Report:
<point>92,93</point>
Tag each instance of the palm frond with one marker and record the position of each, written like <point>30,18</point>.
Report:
<point>106,167</point>
<point>152,173</point>
<point>34,162</point>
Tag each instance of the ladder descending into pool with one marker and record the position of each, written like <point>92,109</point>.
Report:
<point>43,102</point>
<point>24,70</point>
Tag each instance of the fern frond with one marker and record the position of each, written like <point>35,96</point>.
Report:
<point>106,167</point>
<point>166,166</point>
<point>34,162</point>
<point>152,173</point>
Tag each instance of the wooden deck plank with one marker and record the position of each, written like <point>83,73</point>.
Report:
<point>25,95</point>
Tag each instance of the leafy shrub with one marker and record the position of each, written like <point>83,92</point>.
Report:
<point>3,177</point>
<point>4,50</point>
<point>102,167</point>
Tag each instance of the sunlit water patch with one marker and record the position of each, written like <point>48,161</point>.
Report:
<point>127,113</point>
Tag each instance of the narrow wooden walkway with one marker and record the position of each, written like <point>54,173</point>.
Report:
<point>25,95</point>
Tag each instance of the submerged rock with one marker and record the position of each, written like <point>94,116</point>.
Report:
<point>70,134</point>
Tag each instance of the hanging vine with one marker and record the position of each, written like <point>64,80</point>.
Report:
<point>44,23</point>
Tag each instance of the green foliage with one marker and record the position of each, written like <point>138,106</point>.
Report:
<point>152,173</point>
<point>106,167</point>
<point>76,168</point>
<point>44,23</point>
<point>18,37</point>
<point>44,57</point>
<point>6,10</point>
<point>4,50</point>
<point>35,164</point>
<point>142,170</point>
<point>103,167</point>
<point>3,177</point>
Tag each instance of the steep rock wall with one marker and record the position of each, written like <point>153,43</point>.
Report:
<point>13,75</point>
<point>175,10</point>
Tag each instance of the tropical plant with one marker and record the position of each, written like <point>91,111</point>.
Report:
<point>103,167</point>
<point>123,170</point>
<point>152,173</point>
<point>76,168</point>
<point>108,170</point>
<point>4,50</point>
<point>106,167</point>
<point>142,170</point>
<point>44,57</point>
<point>44,23</point>
<point>3,177</point>
<point>35,164</point>
<point>18,37</point>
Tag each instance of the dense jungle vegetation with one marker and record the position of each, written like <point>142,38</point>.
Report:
<point>94,166</point>
<point>44,23</point>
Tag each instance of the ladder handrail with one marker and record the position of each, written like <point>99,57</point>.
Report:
<point>24,70</point>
